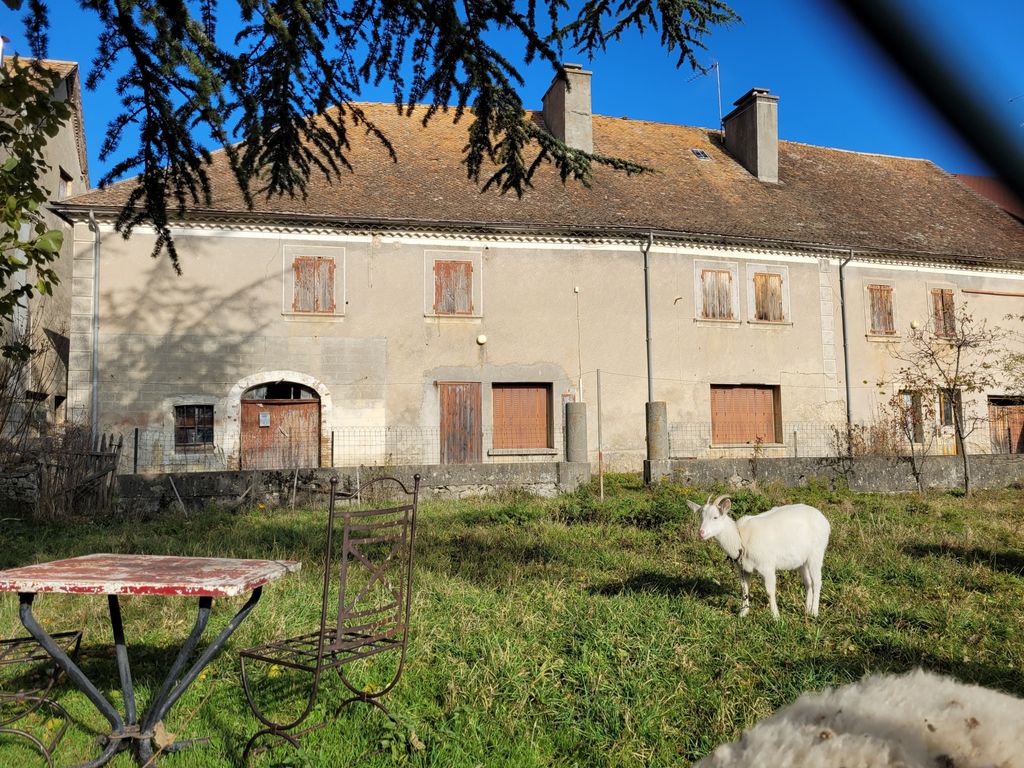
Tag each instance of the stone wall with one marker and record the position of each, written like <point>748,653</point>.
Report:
<point>885,475</point>
<point>147,494</point>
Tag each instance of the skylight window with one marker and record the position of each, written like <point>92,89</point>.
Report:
<point>700,154</point>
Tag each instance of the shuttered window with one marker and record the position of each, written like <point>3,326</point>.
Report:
<point>768,297</point>
<point>716,286</point>
<point>883,322</point>
<point>522,415</point>
<point>453,287</point>
<point>744,413</point>
<point>314,284</point>
<point>193,426</point>
<point>943,317</point>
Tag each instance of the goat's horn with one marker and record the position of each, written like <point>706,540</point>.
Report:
<point>709,499</point>
<point>719,499</point>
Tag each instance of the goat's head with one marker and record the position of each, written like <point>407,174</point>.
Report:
<point>712,515</point>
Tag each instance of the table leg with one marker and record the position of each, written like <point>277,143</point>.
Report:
<point>76,676</point>
<point>172,688</point>
<point>124,670</point>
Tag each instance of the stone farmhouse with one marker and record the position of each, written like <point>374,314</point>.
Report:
<point>401,315</point>
<point>45,320</point>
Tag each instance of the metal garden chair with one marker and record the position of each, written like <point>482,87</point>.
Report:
<point>18,705</point>
<point>364,607</point>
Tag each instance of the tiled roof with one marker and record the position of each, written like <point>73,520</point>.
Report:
<point>825,196</point>
<point>62,68</point>
<point>994,190</point>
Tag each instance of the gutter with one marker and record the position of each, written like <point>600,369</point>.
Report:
<point>846,347</point>
<point>645,249</point>
<point>94,384</point>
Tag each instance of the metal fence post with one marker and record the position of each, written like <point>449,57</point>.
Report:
<point>135,453</point>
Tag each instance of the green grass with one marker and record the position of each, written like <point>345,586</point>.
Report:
<point>569,631</point>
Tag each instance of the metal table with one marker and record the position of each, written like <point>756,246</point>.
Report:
<point>112,575</point>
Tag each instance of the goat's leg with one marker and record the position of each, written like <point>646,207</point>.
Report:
<point>769,587</point>
<point>815,569</point>
<point>805,573</point>
<point>745,587</point>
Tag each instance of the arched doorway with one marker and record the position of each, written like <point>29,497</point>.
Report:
<point>280,426</point>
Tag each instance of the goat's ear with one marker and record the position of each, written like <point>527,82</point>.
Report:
<point>691,505</point>
<point>725,505</point>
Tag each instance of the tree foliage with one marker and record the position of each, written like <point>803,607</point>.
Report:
<point>31,117</point>
<point>288,85</point>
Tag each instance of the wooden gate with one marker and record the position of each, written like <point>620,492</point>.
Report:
<point>461,435</point>
<point>280,434</point>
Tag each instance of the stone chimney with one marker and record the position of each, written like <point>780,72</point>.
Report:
<point>752,133</point>
<point>567,109</point>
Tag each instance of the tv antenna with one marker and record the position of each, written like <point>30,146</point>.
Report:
<point>718,82</point>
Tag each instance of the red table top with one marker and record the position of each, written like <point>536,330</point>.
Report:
<point>106,574</point>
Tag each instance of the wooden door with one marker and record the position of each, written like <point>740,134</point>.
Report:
<point>1006,422</point>
<point>280,434</point>
<point>461,432</point>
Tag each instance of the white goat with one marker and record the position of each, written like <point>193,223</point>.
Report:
<point>916,720</point>
<point>781,539</point>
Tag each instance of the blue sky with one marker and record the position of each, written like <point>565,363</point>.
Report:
<point>835,88</point>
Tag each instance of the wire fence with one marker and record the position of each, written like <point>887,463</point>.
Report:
<point>158,450</point>
<point>154,449</point>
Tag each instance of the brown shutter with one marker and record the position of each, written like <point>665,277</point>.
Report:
<point>882,320</point>
<point>942,312</point>
<point>303,296</point>
<point>453,287</point>
<point>325,284</point>
<point>716,285</point>
<point>768,297</point>
<point>742,414</point>
<point>522,415</point>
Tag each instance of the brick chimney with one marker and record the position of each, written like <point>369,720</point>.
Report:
<point>567,112</point>
<point>752,133</point>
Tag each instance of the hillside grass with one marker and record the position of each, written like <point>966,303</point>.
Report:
<point>569,631</point>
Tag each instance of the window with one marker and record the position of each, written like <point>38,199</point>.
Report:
<point>313,288</point>
<point>913,425</point>
<point>64,185</point>
<point>943,317</point>
<point>453,287</point>
<point>522,415</point>
<point>193,427</point>
<point>882,321</point>
<point>768,297</point>
<point>949,401</point>
<point>700,154</point>
<point>716,290</point>
<point>745,413</point>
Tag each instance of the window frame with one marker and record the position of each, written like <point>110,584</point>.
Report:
<point>430,261</point>
<point>501,446</point>
<point>754,269</point>
<point>947,317</point>
<point>776,405</point>
<point>291,254</point>
<point>699,268</point>
<point>869,314</point>
<point>195,446</point>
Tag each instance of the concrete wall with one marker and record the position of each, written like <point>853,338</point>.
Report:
<point>553,312</point>
<point>868,474</point>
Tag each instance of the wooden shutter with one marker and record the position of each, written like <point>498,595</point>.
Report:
<point>461,440</point>
<point>522,415</point>
<point>942,312</point>
<point>768,297</point>
<point>325,284</point>
<point>882,320</point>
<point>453,287</point>
<point>304,294</point>
<point>717,289</point>
<point>742,414</point>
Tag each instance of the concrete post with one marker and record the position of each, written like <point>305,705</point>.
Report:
<point>576,432</point>
<point>656,466</point>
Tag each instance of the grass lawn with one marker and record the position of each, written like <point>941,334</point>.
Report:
<point>567,632</point>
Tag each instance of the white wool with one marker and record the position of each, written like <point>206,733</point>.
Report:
<point>917,720</point>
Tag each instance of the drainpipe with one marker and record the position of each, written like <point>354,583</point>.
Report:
<point>846,348</point>
<point>94,395</point>
<point>645,249</point>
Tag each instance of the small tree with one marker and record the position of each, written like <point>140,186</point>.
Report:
<point>907,416</point>
<point>952,355</point>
